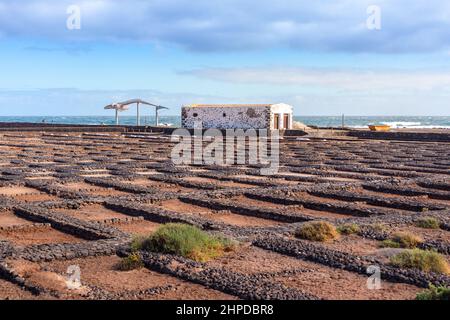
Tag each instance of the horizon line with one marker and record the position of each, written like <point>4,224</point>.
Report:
<point>177,115</point>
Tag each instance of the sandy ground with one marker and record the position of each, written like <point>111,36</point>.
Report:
<point>102,272</point>
<point>8,219</point>
<point>138,228</point>
<point>327,283</point>
<point>290,208</point>
<point>93,213</point>
<point>223,216</point>
<point>38,236</point>
<point>72,151</point>
<point>10,291</point>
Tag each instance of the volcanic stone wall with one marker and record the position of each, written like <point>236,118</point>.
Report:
<point>92,193</point>
<point>405,136</point>
<point>257,117</point>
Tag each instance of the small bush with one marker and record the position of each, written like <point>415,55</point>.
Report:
<point>349,228</point>
<point>131,262</point>
<point>317,231</point>
<point>187,241</point>
<point>428,223</point>
<point>434,293</point>
<point>402,240</point>
<point>137,243</point>
<point>421,259</point>
<point>389,243</point>
<point>377,227</point>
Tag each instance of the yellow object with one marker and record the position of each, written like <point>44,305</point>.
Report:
<point>379,127</point>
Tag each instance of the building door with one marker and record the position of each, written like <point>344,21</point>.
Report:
<point>286,121</point>
<point>276,121</point>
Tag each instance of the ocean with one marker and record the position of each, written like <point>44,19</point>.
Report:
<point>413,122</point>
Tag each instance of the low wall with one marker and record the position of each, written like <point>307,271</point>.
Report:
<point>319,132</point>
<point>401,136</point>
<point>23,126</point>
<point>53,127</point>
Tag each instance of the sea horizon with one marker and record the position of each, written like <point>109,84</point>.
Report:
<point>413,122</point>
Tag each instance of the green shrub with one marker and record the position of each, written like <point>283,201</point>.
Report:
<point>377,227</point>
<point>186,241</point>
<point>389,243</point>
<point>428,223</point>
<point>434,293</point>
<point>421,259</point>
<point>137,243</point>
<point>402,240</point>
<point>131,262</point>
<point>317,231</point>
<point>348,228</point>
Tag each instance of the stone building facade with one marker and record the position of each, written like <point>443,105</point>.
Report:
<point>237,116</point>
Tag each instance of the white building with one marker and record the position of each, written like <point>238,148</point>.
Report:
<point>237,116</point>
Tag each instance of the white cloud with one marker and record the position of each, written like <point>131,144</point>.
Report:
<point>74,102</point>
<point>349,79</point>
<point>205,25</point>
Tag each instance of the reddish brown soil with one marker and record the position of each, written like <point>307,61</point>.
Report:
<point>145,172</point>
<point>262,178</point>
<point>317,279</point>
<point>102,272</point>
<point>253,202</point>
<point>192,291</point>
<point>223,216</point>
<point>99,191</point>
<point>76,186</point>
<point>325,282</point>
<point>161,185</point>
<point>218,182</point>
<point>36,197</point>
<point>353,244</point>
<point>283,208</point>
<point>35,274</point>
<point>95,175</point>
<point>232,184</point>
<point>343,172</point>
<point>362,204</point>
<point>10,291</point>
<point>14,191</point>
<point>93,213</point>
<point>137,228</point>
<point>305,175</point>
<point>41,178</point>
<point>423,198</point>
<point>8,219</point>
<point>426,234</point>
<point>38,236</point>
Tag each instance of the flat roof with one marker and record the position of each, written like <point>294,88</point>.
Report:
<point>228,105</point>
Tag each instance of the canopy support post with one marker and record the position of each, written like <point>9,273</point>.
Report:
<point>138,117</point>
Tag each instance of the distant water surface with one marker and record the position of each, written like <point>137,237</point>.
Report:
<point>321,121</point>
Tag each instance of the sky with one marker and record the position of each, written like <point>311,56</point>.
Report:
<point>324,57</point>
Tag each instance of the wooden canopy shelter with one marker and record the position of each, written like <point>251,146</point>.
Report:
<point>122,106</point>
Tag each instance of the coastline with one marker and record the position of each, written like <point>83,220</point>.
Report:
<point>352,122</point>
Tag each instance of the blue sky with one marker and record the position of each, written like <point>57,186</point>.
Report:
<point>319,56</point>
